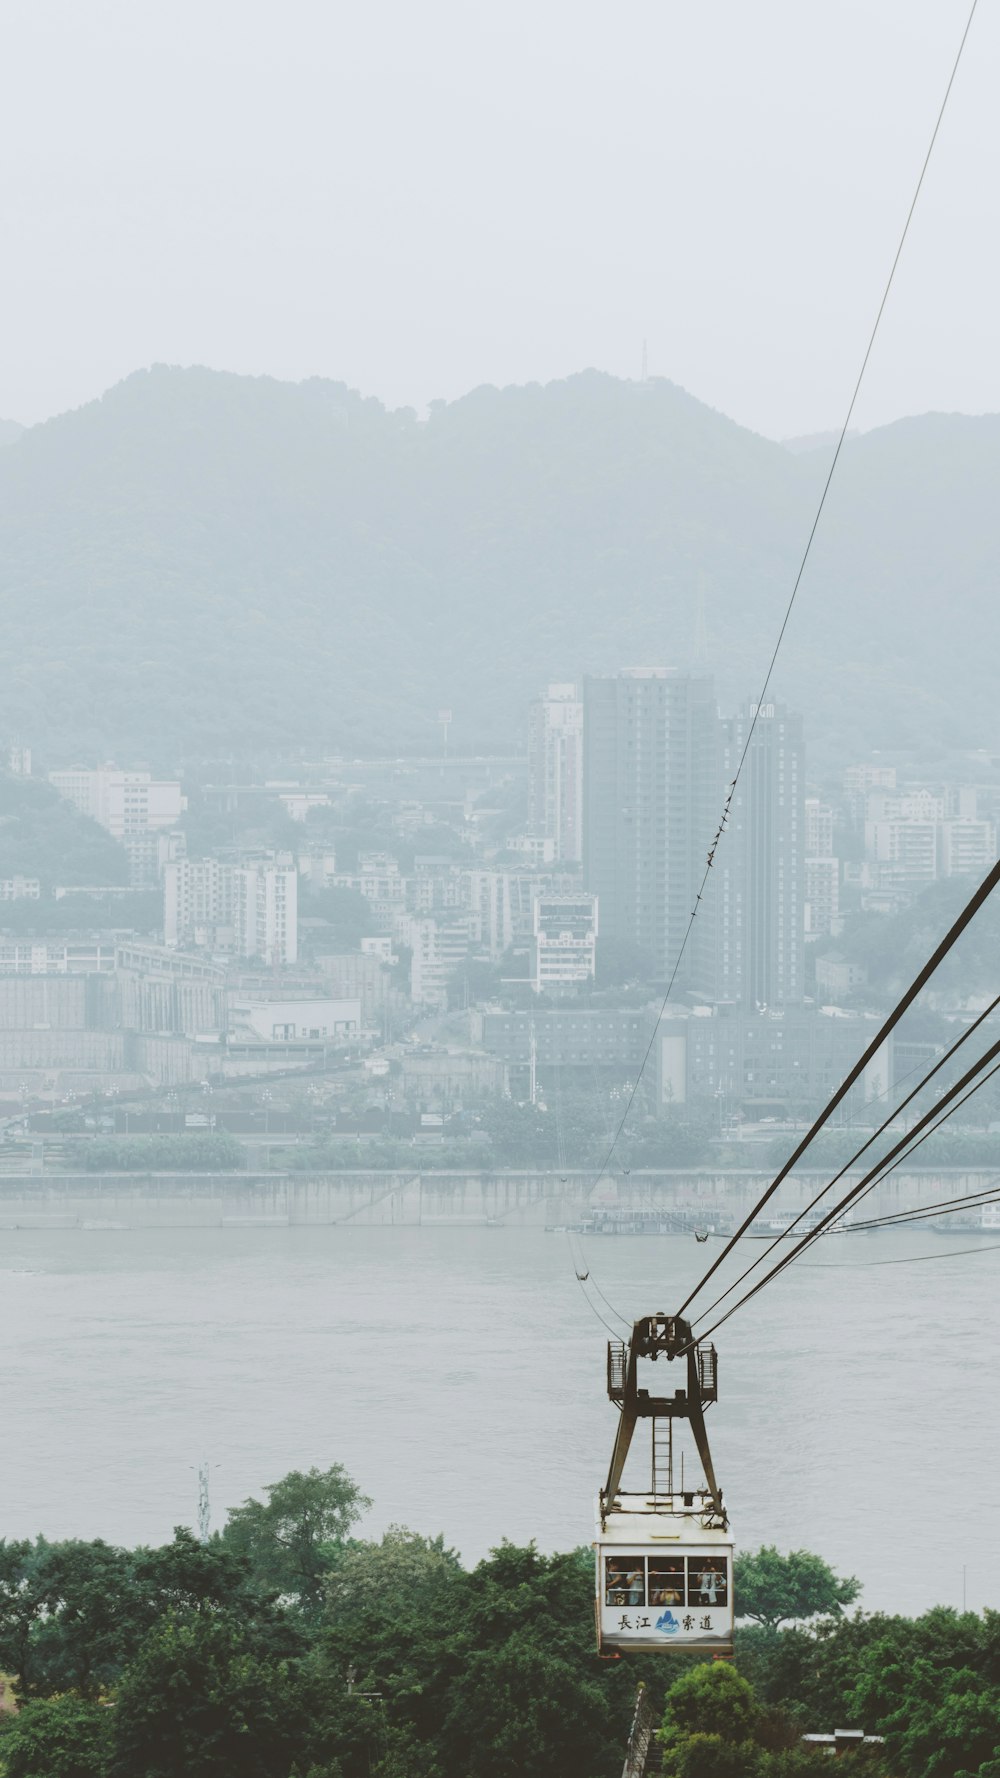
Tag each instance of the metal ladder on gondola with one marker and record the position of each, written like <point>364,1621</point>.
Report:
<point>653,1337</point>
<point>663,1457</point>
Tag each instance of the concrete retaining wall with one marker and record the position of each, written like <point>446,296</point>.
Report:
<point>424,1198</point>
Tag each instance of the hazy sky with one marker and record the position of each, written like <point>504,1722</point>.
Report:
<point>421,197</point>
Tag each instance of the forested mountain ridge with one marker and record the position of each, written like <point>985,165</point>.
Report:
<point>202,562</point>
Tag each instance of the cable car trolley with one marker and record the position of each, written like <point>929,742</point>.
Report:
<point>664,1556</point>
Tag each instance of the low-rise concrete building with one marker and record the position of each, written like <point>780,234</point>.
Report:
<point>565,941</point>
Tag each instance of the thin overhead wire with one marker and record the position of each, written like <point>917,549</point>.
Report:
<point>919,982</point>
<point>755,712</point>
<point>913,1259</point>
<point>956,1097</point>
<point>585,1276</point>
<point>580,1267</point>
<point>928,1133</point>
<point>592,1306</point>
<point>990,1194</point>
<point>950,1102</point>
<point>888,1120</point>
<point>947,1207</point>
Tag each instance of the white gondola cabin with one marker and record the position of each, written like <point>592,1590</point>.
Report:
<point>664,1575</point>
<point>664,1556</point>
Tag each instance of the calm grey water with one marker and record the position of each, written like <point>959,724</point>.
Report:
<point>458,1374</point>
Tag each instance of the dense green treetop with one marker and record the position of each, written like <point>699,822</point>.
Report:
<point>291,1539</point>
<point>773,1589</point>
<point>714,1727</point>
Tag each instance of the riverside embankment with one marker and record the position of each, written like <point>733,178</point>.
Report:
<point>428,1197</point>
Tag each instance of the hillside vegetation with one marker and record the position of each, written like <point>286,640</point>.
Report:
<point>43,835</point>
<point>201,562</point>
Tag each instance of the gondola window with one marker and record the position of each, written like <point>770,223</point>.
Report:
<point>625,1580</point>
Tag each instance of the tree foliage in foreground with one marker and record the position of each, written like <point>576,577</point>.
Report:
<point>289,1648</point>
<point>715,1727</point>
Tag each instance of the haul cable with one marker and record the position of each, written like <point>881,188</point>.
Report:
<point>881,1167</point>
<point>888,1120</point>
<point>990,1194</point>
<point>919,982</point>
<point>755,713</point>
<point>881,1170</point>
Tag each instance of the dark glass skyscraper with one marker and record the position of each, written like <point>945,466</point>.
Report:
<point>756,907</point>
<point>651,777</point>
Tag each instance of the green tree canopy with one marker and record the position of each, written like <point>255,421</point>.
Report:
<point>44,835</point>
<point>67,1737</point>
<point>72,1613</point>
<point>291,1538</point>
<point>773,1589</point>
<point>199,1698</point>
<point>714,1727</point>
<point>66,1613</point>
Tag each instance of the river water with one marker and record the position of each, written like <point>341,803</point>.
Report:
<point>459,1376</point>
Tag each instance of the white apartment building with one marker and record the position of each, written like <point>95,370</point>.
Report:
<point>901,839</point>
<point>149,851</point>
<point>966,847</point>
<point>20,889</point>
<point>123,802</point>
<point>555,771</point>
<point>319,869</point>
<point>565,940</point>
<point>439,946</point>
<point>537,850</point>
<point>920,805</point>
<point>818,828</point>
<point>429,893</point>
<point>913,838</point>
<point>822,897</point>
<point>197,900</point>
<point>265,910</point>
<point>378,879</point>
<point>860,781</point>
<point>487,895</point>
<point>502,904</point>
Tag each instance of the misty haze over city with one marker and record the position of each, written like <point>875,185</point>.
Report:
<point>499,799</point>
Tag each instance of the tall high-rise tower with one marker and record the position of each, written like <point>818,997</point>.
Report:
<point>555,770</point>
<point>756,911</point>
<point>651,803</point>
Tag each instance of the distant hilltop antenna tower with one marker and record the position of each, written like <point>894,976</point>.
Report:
<point>204,1502</point>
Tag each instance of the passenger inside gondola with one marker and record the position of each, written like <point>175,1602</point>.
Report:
<point>706,1581</point>
<point>625,1581</point>
<point>666,1580</point>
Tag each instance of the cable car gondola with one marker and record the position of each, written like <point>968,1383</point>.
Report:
<point>664,1556</point>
